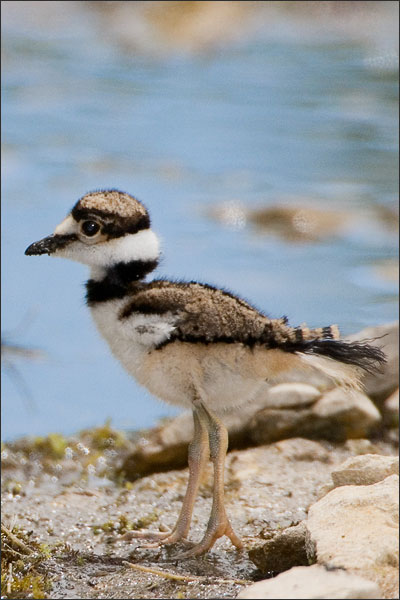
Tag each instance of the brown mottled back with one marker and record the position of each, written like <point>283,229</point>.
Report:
<point>206,314</point>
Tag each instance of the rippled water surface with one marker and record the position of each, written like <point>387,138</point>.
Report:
<point>257,123</point>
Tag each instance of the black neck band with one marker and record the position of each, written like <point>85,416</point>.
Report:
<point>117,280</point>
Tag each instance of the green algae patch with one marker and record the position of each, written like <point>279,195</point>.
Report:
<point>96,452</point>
<point>104,437</point>
<point>22,573</point>
<point>123,524</point>
<point>53,446</point>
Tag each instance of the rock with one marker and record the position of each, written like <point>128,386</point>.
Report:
<point>162,448</point>
<point>303,449</point>
<point>161,29</point>
<point>379,386</point>
<point>271,424</point>
<point>290,395</point>
<point>351,410</point>
<point>361,446</point>
<point>284,550</point>
<point>365,470</point>
<point>312,582</point>
<point>300,223</point>
<point>391,410</point>
<point>356,527</point>
<point>339,414</point>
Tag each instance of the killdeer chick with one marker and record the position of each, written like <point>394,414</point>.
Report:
<point>190,344</point>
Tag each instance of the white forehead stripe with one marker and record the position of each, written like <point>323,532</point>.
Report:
<point>69,225</point>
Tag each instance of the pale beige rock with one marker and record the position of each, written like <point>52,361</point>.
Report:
<point>302,449</point>
<point>361,446</point>
<point>289,395</point>
<point>391,410</point>
<point>356,527</point>
<point>353,409</point>
<point>312,582</point>
<point>380,385</point>
<point>339,414</point>
<point>299,223</point>
<point>365,470</point>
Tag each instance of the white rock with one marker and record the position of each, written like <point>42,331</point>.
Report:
<point>302,449</point>
<point>391,410</point>
<point>380,385</point>
<point>365,469</point>
<point>356,527</point>
<point>312,582</point>
<point>361,446</point>
<point>288,395</point>
<point>351,407</point>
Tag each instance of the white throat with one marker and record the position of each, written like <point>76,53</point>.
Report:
<point>141,246</point>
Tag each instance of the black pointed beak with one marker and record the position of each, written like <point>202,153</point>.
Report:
<point>50,244</point>
<point>45,246</point>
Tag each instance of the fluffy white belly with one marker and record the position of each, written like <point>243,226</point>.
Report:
<point>130,339</point>
<point>178,371</point>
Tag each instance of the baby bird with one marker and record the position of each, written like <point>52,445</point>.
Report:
<point>190,344</point>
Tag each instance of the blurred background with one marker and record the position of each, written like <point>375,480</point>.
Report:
<point>262,136</point>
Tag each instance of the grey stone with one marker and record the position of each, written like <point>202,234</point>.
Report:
<point>282,551</point>
<point>273,424</point>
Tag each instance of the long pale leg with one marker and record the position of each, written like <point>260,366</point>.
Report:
<point>197,458</point>
<point>218,524</point>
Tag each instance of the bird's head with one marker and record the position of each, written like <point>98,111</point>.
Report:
<point>104,228</point>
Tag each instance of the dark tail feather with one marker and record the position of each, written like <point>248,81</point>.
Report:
<point>360,354</point>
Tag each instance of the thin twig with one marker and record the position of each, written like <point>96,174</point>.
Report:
<point>9,578</point>
<point>14,540</point>
<point>167,575</point>
<point>12,551</point>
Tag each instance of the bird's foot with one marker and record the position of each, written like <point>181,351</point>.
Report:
<point>145,535</point>
<point>158,537</point>
<point>215,530</point>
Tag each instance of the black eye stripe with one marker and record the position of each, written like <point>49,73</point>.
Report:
<point>112,225</point>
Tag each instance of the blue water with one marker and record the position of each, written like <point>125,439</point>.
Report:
<point>255,122</point>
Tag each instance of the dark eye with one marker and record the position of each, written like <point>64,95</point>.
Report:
<point>90,228</point>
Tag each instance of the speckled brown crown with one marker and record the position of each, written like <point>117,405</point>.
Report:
<point>120,212</point>
<point>113,201</point>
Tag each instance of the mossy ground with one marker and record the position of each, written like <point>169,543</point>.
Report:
<point>22,573</point>
<point>68,510</point>
<point>67,460</point>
